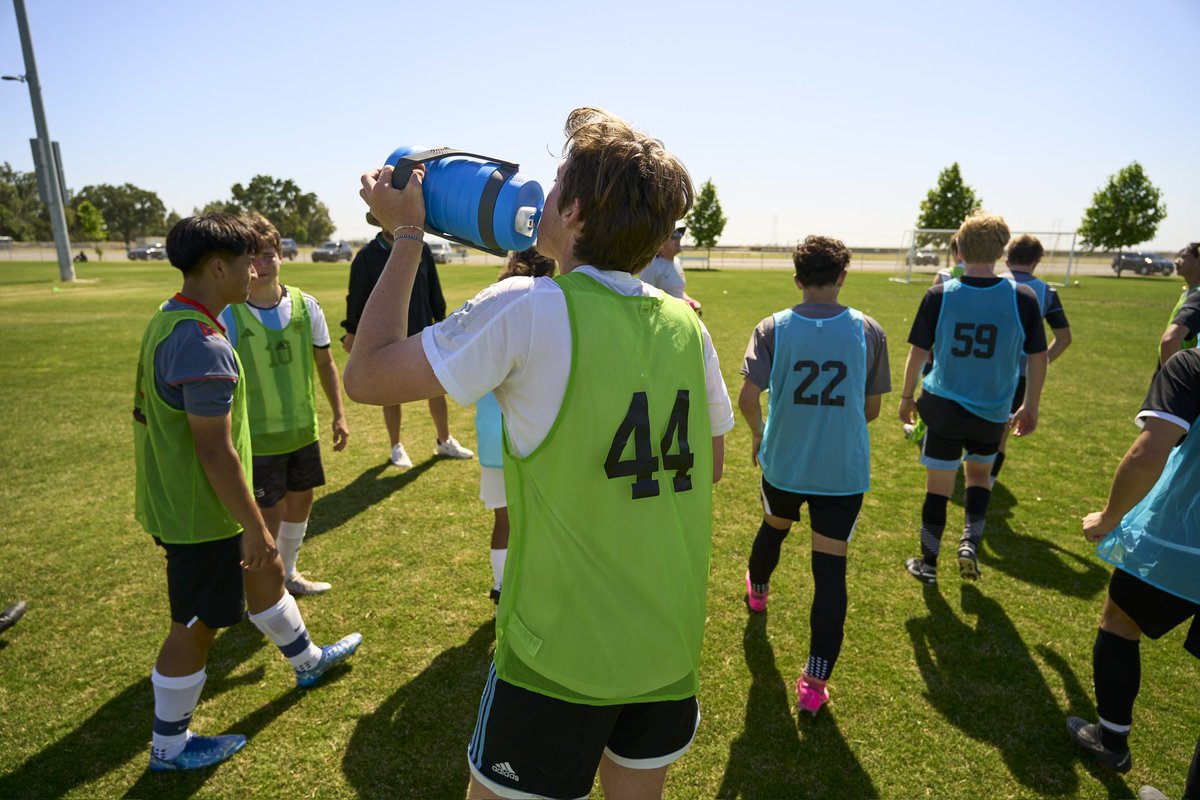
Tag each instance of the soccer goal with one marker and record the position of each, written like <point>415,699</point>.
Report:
<point>924,251</point>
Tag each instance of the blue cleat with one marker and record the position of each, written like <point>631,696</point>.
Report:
<point>331,654</point>
<point>200,752</point>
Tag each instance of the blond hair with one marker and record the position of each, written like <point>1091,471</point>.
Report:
<point>982,237</point>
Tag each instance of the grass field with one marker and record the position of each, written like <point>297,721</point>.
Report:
<point>958,692</point>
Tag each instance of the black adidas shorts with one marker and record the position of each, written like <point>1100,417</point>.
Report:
<point>1156,612</point>
<point>832,515</point>
<point>204,581</point>
<point>528,744</point>
<point>275,476</point>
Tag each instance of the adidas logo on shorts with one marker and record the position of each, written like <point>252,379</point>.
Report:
<point>506,770</point>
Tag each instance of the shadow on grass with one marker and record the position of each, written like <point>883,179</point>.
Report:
<point>1035,560</point>
<point>415,743</point>
<point>338,507</point>
<point>1079,704</point>
<point>120,730</point>
<point>773,757</point>
<point>983,680</point>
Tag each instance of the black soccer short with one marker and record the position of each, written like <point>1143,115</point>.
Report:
<point>528,744</point>
<point>1155,611</point>
<point>832,515</point>
<point>275,476</point>
<point>204,581</point>
<point>1018,395</point>
<point>950,429</point>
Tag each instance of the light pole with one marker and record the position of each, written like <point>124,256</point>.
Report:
<point>49,163</point>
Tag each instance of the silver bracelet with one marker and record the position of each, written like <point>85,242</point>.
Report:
<point>409,236</point>
<point>396,232</point>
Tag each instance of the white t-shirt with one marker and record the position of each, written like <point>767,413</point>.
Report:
<point>278,316</point>
<point>514,337</point>
<point>666,274</point>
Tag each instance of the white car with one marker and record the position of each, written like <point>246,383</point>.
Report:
<point>441,249</point>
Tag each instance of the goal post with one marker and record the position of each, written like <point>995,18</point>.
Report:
<point>924,251</point>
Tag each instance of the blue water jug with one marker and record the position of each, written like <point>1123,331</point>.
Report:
<point>474,200</point>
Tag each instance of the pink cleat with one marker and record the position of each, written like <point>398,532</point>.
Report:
<point>756,600</point>
<point>811,694</point>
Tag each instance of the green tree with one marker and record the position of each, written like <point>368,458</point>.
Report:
<point>214,207</point>
<point>171,221</point>
<point>706,223</point>
<point>295,213</point>
<point>946,206</point>
<point>89,223</point>
<point>1125,212</point>
<point>22,214</point>
<point>129,210</point>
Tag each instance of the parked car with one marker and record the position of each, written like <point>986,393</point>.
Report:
<point>1142,264</point>
<point>442,251</point>
<point>925,258</point>
<point>147,252</point>
<point>288,249</point>
<point>333,251</point>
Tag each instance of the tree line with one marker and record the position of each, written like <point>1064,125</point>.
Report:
<point>1125,211</point>
<point>105,212</point>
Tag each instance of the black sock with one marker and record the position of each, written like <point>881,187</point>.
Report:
<point>1191,791</point>
<point>933,524</point>
<point>827,620</point>
<point>997,464</point>
<point>764,554</point>
<point>1117,676</point>
<point>975,503</point>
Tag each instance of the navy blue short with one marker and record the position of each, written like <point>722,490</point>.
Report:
<point>204,581</point>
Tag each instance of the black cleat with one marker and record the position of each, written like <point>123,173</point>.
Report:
<point>1087,736</point>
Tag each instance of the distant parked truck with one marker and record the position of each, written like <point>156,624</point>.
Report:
<point>147,252</point>
<point>333,251</point>
<point>1142,264</point>
<point>288,249</point>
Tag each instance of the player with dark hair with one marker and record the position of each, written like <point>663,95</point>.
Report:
<point>1024,255</point>
<point>489,433</point>
<point>1185,317</point>
<point>191,437</point>
<point>826,367</point>
<point>614,416</point>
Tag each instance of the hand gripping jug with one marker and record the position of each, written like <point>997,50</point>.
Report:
<point>474,200</point>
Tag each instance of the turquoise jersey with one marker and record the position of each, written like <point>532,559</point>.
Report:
<point>1043,297</point>
<point>977,348</point>
<point>816,438</point>
<point>489,431</point>
<point>1159,539</point>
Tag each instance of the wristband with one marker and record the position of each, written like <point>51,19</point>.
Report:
<point>408,236</point>
<point>906,397</point>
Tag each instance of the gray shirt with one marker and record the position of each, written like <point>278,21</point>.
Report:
<point>756,367</point>
<point>194,367</point>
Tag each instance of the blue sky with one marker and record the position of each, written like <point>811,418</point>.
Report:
<point>822,117</point>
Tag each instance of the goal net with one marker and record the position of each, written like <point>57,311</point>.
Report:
<point>925,251</point>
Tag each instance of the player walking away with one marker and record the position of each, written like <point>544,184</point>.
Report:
<point>665,271</point>
<point>281,401</point>
<point>191,437</point>
<point>1185,317</point>
<point>614,415</point>
<point>1149,530</point>
<point>489,432</point>
<point>826,367</point>
<point>427,306</point>
<point>955,269</point>
<point>976,327</point>
<point>1024,254</point>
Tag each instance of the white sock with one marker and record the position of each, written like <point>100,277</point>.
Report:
<point>291,536</point>
<point>498,557</point>
<point>283,625</point>
<point>174,701</point>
